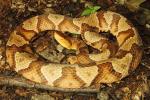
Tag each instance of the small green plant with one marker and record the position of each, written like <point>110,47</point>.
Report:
<point>90,10</point>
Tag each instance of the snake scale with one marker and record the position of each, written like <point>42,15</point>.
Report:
<point>113,63</point>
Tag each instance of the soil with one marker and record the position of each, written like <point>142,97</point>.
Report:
<point>134,87</point>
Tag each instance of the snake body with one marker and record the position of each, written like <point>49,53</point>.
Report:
<point>112,63</point>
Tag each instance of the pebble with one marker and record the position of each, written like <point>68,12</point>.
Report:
<point>103,95</point>
<point>42,97</point>
<point>49,5</point>
<point>148,26</point>
<point>60,48</point>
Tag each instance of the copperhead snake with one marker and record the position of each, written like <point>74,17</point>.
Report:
<point>110,65</point>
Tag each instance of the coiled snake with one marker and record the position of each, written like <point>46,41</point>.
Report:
<point>113,63</point>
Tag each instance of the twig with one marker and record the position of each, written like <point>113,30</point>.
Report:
<point>5,80</point>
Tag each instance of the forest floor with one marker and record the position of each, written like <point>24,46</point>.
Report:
<point>134,87</point>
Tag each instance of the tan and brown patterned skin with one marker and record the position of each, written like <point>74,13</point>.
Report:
<point>111,65</point>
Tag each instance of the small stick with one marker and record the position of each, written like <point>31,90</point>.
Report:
<point>7,80</point>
